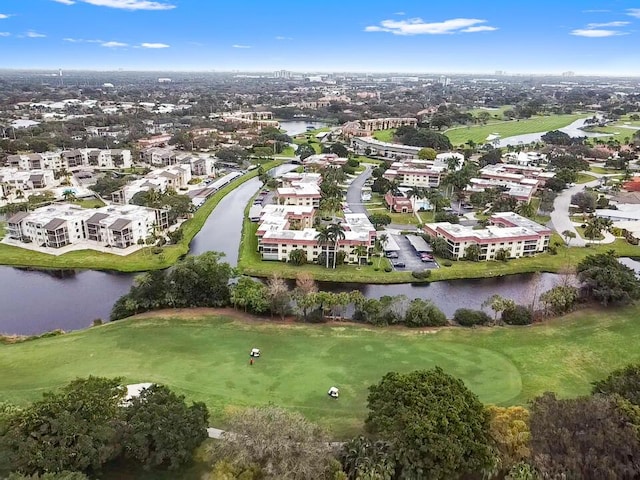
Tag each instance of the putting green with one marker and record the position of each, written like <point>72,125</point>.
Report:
<point>205,357</point>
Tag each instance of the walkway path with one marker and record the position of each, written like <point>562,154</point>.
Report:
<point>355,189</point>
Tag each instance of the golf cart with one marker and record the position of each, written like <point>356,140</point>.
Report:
<point>333,392</point>
<point>255,352</point>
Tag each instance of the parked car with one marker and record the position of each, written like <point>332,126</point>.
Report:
<point>391,254</point>
<point>399,265</point>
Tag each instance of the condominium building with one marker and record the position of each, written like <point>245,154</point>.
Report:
<point>507,231</point>
<point>175,177</point>
<point>363,128</point>
<point>520,182</point>
<point>371,146</point>
<point>69,159</point>
<point>36,161</point>
<point>322,161</point>
<point>277,237</point>
<point>60,225</point>
<point>14,179</point>
<point>261,119</point>
<point>300,189</point>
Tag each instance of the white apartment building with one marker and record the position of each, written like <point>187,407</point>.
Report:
<point>518,235</point>
<point>277,239</point>
<point>300,189</point>
<point>69,159</point>
<point>371,146</point>
<point>59,225</point>
<point>314,163</point>
<point>520,182</point>
<point>14,179</point>
<point>175,177</point>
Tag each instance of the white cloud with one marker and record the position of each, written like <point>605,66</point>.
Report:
<point>5,34</point>
<point>4,15</point>
<point>480,28</point>
<point>32,34</point>
<point>416,26</point>
<point>596,11</point>
<point>596,33</point>
<point>400,14</point>
<point>608,24</point>
<point>154,45</point>
<point>114,44</point>
<point>124,4</point>
<point>240,46</point>
<point>81,40</point>
<point>280,37</point>
<point>634,12</point>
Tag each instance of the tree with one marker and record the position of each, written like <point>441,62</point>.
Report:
<point>525,209</point>
<point>233,154</point>
<point>568,236</point>
<point>560,299</point>
<point>585,201</point>
<point>436,426</point>
<point>298,257</point>
<point>69,195</point>
<point>379,220</point>
<point>624,382</point>
<point>363,458</point>
<point>250,295</point>
<point>607,280</point>
<point>492,157</point>
<point>282,444</point>
<point>423,313</point>
<point>324,238</point>
<point>305,150</point>
<point>509,430</point>
<point>76,429</point>
<point>279,296</point>
<point>337,233</point>
<point>200,281</point>
<point>65,475</point>
<point>595,226</point>
<point>162,430</point>
<point>588,438</point>
<point>517,315</point>
<point>469,318</point>
<point>339,149</point>
<point>427,153</point>
<point>498,304</point>
<point>472,252</point>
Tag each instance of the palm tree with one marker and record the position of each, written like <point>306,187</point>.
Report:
<point>568,236</point>
<point>336,231</point>
<point>330,205</point>
<point>69,195</point>
<point>381,241</point>
<point>595,226</point>
<point>324,239</point>
<point>361,252</point>
<point>525,209</point>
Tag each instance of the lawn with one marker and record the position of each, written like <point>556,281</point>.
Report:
<point>205,357</point>
<point>136,262</point>
<point>585,178</point>
<point>384,135</point>
<point>89,203</point>
<point>460,135</point>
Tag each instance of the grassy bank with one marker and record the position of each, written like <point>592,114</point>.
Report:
<point>460,135</point>
<point>136,262</point>
<point>205,357</point>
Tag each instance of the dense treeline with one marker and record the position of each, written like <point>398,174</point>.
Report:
<point>91,422</point>
<point>207,281</point>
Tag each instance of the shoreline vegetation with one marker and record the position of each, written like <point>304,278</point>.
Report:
<point>503,365</point>
<point>139,261</point>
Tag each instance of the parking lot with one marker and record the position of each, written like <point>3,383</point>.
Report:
<point>408,256</point>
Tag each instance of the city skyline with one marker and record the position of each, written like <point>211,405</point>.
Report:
<point>409,37</point>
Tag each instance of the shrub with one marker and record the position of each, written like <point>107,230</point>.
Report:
<point>468,317</point>
<point>421,274</point>
<point>388,269</point>
<point>447,263</point>
<point>518,315</point>
<point>96,322</point>
<point>423,313</point>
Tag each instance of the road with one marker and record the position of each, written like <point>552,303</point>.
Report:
<point>560,217</point>
<point>354,190</point>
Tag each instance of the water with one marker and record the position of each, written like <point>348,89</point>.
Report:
<point>296,127</point>
<point>573,130</point>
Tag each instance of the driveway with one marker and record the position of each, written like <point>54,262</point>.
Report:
<point>560,217</point>
<point>354,190</point>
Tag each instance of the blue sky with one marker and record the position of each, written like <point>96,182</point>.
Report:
<point>517,36</point>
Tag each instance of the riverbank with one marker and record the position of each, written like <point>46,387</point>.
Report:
<point>566,259</point>
<point>502,365</point>
<point>142,260</point>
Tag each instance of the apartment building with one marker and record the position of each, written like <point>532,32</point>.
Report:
<point>61,225</point>
<point>517,235</point>
<point>318,162</point>
<point>376,148</point>
<point>69,159</point>
<point>277,238</point>
<point>520,182</point>
<point>175,177</point>
<point>14,179</point>
<point>260,119</point>
<point>301,189</point>
<point>364,128</point>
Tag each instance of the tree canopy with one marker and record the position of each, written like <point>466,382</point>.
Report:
<point>437,427</point>
<point>607,280</point>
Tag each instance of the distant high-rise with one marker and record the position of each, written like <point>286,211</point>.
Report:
<point>568,74</point>
<point>60,76</point>
<point>282,74</point>
<point>444,81</point>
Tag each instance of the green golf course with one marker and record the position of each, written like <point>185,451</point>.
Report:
<point>204,355</point>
